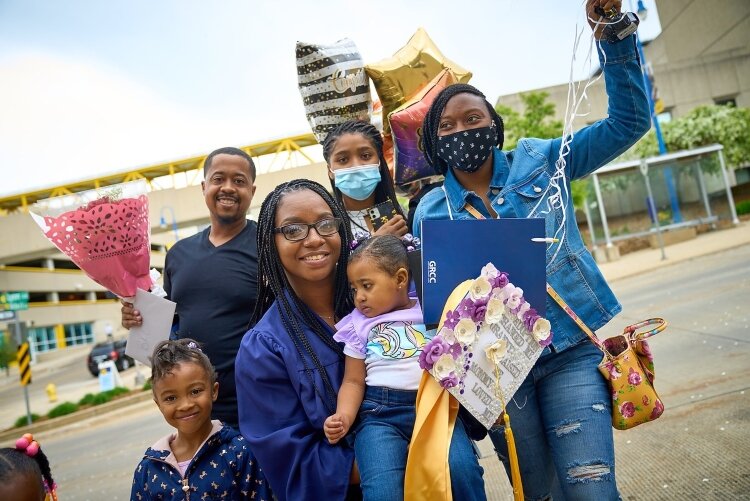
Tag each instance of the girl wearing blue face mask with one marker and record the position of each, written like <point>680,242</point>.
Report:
<point>360,178</point>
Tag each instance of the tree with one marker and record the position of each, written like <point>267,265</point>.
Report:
<point>7,354</point>
<point>535,121</point>
<point>704,125</point>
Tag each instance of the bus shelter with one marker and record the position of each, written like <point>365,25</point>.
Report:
<point>647,197</point>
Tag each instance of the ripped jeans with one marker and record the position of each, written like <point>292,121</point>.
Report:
<point>562,423</point>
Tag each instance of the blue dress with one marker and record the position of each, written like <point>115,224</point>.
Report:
<point>282,411</point>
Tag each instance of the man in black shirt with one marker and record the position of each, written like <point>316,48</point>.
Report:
<point>212,276</point>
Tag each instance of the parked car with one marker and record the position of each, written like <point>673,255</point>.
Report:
<point>109,350</point>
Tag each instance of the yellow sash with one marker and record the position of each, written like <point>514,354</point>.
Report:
<point>428,475</point>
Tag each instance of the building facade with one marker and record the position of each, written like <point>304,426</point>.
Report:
<point>701,57</point>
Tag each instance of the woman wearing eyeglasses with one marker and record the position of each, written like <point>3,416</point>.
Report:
<point>289,368</point>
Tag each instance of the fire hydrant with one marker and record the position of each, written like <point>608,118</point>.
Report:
<point>51,390</point>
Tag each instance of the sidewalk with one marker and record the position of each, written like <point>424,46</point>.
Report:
<point>647,260</point>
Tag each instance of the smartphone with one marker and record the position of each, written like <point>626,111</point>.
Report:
<point>381,214</point>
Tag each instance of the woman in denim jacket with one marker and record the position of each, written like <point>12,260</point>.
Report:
<point>562,411</point>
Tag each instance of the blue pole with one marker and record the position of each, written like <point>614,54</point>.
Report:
<point>163,221</point>
<point>668,175</point>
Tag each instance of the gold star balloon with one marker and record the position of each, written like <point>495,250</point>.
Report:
<point>412,67</point>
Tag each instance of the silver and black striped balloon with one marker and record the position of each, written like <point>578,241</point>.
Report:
<point>333,85</point>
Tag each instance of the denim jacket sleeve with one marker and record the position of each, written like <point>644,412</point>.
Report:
<point>628,112</point>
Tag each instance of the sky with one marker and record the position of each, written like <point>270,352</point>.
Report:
<point>91,87</point>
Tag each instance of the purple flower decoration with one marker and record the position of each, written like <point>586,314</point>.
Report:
<point>521,302</point>
<point>450,381</point>
<point>500,281</point>
<point>529,318</point>
<point>455,350</point>
<point>466,308</point>
<point>479,313</point>
<point>451,319</point>
<point>432,351</point>
<point>547,341</point>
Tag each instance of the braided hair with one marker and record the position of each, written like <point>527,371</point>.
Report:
<point>384,190</point>
<point>431,124</point>
<point>273,285</point>
<point>15,463</point>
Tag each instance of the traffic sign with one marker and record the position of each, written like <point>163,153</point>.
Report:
<point>7,315</point>
<point>23,356</point>
<point>14,301</point>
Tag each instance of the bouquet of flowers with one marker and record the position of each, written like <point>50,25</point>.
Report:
<point>104,232</point>
<point>488,341</point>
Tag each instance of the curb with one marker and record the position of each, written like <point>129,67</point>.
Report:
<point>670,262</point>
<point>74,417</point>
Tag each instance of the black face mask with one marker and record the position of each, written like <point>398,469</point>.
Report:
<point>469,149</point>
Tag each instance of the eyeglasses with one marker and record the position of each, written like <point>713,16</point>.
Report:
<point>295,232</point>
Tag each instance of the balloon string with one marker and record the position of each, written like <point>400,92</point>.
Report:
<point>556,195</point>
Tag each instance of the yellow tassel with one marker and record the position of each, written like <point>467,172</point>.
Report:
<point>515,470</point>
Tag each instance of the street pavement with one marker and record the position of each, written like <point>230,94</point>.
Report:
<point>697,450</point>
<point>66,369</point>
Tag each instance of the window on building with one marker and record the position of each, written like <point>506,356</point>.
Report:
<point>43,338</point>
<point>726,100</point>
<point>71,296</point>
<point>76,334</point>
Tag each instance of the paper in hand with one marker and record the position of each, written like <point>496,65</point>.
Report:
<point>157,313</point>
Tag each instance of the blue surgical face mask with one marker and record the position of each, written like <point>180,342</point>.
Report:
<point>357,182</point>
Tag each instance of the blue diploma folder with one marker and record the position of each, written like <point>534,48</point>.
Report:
<point>456,250</point>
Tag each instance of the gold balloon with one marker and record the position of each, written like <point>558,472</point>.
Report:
<point>412,67</point>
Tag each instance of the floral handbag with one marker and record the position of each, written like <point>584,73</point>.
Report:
<point>628,367</point>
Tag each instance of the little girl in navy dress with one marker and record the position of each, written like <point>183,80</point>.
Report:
<point>383,338</point>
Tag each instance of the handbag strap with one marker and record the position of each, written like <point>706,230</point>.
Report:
<point>474,212</point>
<point>660,324</point>
<point>567,309</point>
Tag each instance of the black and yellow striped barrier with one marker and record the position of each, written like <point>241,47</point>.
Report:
<point>23,356</point>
